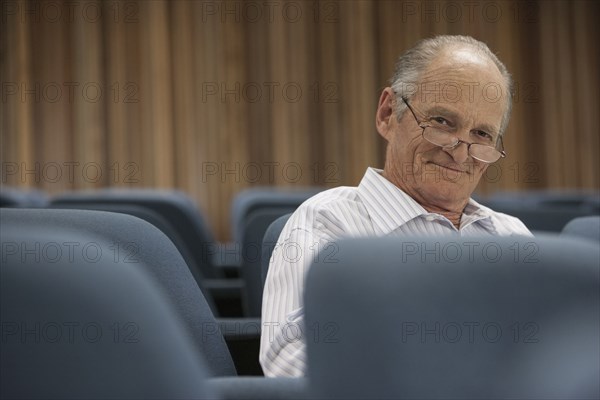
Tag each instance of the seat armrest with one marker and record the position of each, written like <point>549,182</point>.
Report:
<point>230,271</point>
<point>227,295</point>
<point>259,388</point>
<point>228,257</point>
<point>242,336</point>
<point>224,288</point>
<point>239,328</point>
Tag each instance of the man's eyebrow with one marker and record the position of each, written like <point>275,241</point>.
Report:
<point>444,112</point>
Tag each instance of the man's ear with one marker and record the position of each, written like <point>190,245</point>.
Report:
<point>385,112</point>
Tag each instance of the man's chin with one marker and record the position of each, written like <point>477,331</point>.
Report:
<point>445,192</point>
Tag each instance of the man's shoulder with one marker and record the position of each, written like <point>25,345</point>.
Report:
<point>328,211</point>
<point>332,198</point>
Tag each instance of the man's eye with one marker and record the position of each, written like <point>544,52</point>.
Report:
<point>440,121</point>
<point>484,135</point>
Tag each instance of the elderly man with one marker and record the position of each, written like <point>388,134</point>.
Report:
<point>443,118</point>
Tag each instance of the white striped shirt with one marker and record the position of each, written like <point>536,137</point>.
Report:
<point>375,208</point>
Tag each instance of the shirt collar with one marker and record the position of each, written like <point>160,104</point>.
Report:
<point>389,207</point>
<point>475,212</point>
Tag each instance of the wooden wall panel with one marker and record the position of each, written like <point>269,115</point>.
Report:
<point>358,93</point>
<point>202,96</point>
<point>587,92</point>
<point>88,106</point>
<point>330,139</point>
<point>53,66</point>
<point>183,95</point>
<point>118,151</point>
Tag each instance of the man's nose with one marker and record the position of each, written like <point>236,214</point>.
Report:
<point>460,152</point>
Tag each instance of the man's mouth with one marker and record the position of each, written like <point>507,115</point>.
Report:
<point>454,168</point>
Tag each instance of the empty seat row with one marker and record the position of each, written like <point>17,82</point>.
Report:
<point>176,216</point>
<point>14,197</point>
<point>546,210</point>
<point>99,304</point>
<point>227,273</point>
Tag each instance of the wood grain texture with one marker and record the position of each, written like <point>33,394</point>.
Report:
<point>212,97</point>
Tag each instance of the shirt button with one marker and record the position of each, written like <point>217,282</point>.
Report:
<point>430,218</point>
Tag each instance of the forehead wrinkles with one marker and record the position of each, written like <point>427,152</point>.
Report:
<point>464,82</point>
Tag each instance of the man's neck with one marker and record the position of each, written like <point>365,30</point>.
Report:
<point>452,216</point>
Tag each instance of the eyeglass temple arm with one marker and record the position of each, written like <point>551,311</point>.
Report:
<point>502,152</point>
<point>405,100</point>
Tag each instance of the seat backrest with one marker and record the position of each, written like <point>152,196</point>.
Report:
<point>268,244</point>
<point>266,198</point>
<point>81,324</point>
<point>158,221</point>
<point>582,200</point>
<point>15,197</point>
<point>174,206</point>
<point>252,212</point>
<point>257,224</point>
<point>454,317</point>
<point>142,245</point>
<point>542,218</point>
<point>586,227</point>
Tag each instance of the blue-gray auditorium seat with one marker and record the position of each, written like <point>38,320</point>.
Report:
<point>141,245</point>
<point>84,325</point>
<point>216,291</point>
<point>546,210</point>
<point>154,256</point>
<point>585,227</point>
<point>583,200</point>
<point>454,317</point>
<point>541,219</point>
<point>174,206</point>
<point>252,243</point>
<point>252,212</point>
<point>284,201</point>
<point>18,197</point>
<point>253,388</point>
<point>269,241</point>
<point>176,215</point>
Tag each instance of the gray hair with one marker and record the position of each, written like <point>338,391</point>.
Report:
<point>412,63</point>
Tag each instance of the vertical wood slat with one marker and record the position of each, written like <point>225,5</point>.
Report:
<point>207,43</point>
<point>297,102</point>
<point>160,113</point>
<point>550,109</point>
<point>232,127</point>
<point>118,152</point>
<point>92,94</point>
<point>358,92</point>
<point>587,94</point>
<point>566,128</point>
<point>328,170</point>
<point>278,63</point>
<point>13,43</point>
<point>51,101</point>
<point>24,115</point>
<point>183,96</point>
<point>169,51</point>
<point>259,106</point>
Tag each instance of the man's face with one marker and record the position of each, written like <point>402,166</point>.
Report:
<point>462,91</point>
